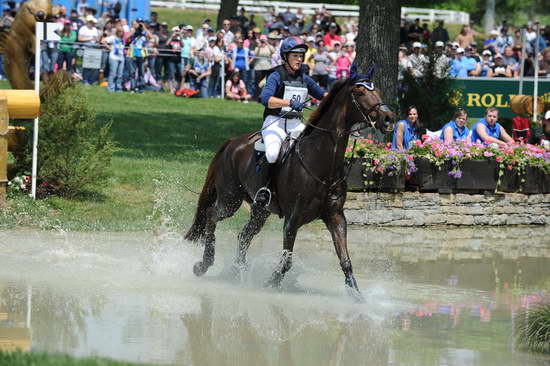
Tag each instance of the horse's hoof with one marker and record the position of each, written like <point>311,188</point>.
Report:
<point>355,294</point>
<point>199,269</point>
<point>274,282</point>
<point>239,271</point>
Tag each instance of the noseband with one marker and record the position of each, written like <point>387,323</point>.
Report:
<point>367,119</point>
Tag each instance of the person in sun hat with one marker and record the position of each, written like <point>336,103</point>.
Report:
<point>418,60</point>
<point>284,97</point>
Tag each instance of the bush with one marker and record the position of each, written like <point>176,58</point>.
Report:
<point>432,96</point>
<point>533,329</point>
<point>75,150</point>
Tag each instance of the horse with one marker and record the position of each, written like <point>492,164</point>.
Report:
<point>308,184</point>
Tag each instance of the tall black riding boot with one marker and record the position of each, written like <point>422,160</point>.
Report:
<point>263,196</point>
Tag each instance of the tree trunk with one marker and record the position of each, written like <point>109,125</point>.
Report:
<point>228,9</point>
<point>378,44</point>
<point>489,18</point>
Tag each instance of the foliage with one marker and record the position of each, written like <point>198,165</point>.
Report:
<point>532,328</point>
<point>75,150</point>
<point>432,96</point>
<point>31,359</point>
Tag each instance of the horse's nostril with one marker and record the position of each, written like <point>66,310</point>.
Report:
<point>40,15</point>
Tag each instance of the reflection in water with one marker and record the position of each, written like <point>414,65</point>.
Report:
<point>429,301</point>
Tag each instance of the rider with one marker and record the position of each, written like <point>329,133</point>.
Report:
<point>284,97</point>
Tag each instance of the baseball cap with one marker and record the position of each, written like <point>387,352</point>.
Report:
<point>494,32</point>
<point>460,50</point>
<point>487,52</point>
<point>206,20</point>
<point>456,45</point>
<point>189,27</point>
<point>439,44</point>
<point>498,55</point>
<point>211,39</point>
<point>263,37</point>
<point>417,45</point>
<point>310,39</point>
<point>333,25</point>
<point>176,28</point>
<point>547,115</point>
<point>91,18</point>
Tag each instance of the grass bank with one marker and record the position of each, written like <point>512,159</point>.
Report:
<point>42,359</point>
<point>166,144</point>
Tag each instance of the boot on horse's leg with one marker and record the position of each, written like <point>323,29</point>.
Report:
<point>263,195</point>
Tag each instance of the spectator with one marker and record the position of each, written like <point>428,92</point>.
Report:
<point>174,43</point>
<point>321,65</point>
<point>242,21</point>
<point>331,37</point>
<point>308,57</point>
<point>456,129</point>
<point>499,69</point>
<point>187,50</point>
<point>89,36</point>
<point>161,64</point>
<point>7,19</point>
<point>407,131</point>
<point>404,64</point>
<point>486,64</point>
<point>235,88</point>
<point>115,44</point>
<point>65,46</point>
<point>343,64</point>
<point>288,16</point>
<point>541,133</point>
<point>426,35</point>
<point>491,43</point>
<point>81,8</point>
<point>352,34</point>
<point>418,61</point>
<point>240,58</point>
<point>465,37</point>
<point>440,33</point>
<point>262,64</point>
<point>269,18</point>
<point>138,53</point>
<point>217,58</point>
<point>442,62</point>
<point>544,64</point>
<point>153,24</point>
<point>228,36</point>
<point>504,40</point>
<point>199,73</point>
<point>462,66</point>
<point>487,130</point>
<point>415,32</point>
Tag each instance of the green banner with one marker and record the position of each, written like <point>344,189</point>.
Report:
<point>480,93</point>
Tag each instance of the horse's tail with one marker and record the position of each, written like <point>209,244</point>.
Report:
<point>207,198</point>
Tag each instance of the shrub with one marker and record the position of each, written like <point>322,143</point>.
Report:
<point>75,150</point>
<point>533,329</point>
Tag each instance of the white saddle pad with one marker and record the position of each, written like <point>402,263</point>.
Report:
<point>259,145</point>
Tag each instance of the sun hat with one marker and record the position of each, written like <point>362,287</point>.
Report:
<point>417,45</point>
<point>460,50</point>
<point>439,44</point>
<point>487,52</point>
<point>91,18</point>
<point>263,37</point>
<point>176,28</point>
<point>547,115</point>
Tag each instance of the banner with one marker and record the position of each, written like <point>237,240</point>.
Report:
<point>478,94</point>
<point>92,58</point>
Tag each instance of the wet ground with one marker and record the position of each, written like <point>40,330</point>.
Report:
<point>434,297</point>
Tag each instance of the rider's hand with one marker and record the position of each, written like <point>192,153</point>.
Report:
<point>297,106</point>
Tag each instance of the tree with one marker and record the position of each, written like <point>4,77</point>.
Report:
<point>228,9</point>
<point>378,44</point>
<point>489,17</point>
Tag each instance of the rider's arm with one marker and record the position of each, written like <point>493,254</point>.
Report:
<point>313,88</point>
<point>267,97</point>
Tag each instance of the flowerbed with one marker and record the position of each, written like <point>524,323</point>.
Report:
<point>434,165</point>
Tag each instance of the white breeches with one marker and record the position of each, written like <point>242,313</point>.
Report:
<point>275,134</point>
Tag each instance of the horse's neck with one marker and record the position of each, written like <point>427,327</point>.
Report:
<point>335,141</point>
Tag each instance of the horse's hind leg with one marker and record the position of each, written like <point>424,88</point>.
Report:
<point>336,224</point>
<point>258,217</point>
<point>223,209</point>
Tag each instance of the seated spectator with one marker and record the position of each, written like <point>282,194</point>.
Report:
<point>486,63</point>
<point>509,58</point>
<point>418,61</point>
<point>462,66</point>
<point>456,129</point>
<point>199,72</point>
<point>235,88</point>
<point>499,69</point>
<point>541,133</point>
<point>491,44</point>
<point>487,130</point>
<point>407,130</point>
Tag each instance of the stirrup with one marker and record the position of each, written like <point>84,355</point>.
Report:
<point>268,192</point>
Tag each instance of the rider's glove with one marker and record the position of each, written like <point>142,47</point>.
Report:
<point>296,105</point>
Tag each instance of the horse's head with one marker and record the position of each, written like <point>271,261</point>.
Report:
<point>368,107</point>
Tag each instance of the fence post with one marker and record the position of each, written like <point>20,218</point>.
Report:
<point>4,120</point>
<point>222,76</point>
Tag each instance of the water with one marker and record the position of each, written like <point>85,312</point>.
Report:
<point>434,297</point>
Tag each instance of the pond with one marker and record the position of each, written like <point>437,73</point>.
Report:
<point>440,296</point>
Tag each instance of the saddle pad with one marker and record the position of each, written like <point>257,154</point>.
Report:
<point>259,145</point>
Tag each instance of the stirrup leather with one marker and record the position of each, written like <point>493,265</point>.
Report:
<point>268,194</point>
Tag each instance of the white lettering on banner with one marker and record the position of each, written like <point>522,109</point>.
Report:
<point>294,93</point>
<point>48,31</point>
<point>92,58</point>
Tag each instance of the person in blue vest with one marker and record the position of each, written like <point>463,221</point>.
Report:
<point>456,129</point>
<point>407,131</point>
<point>488,131</point>
<point>284,97</point>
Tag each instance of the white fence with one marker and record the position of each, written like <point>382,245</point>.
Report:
<point>425,15</point>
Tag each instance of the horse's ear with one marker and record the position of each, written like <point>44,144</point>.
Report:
<point>355,76</point>
<point>353,71</point>
<point>370,72</point>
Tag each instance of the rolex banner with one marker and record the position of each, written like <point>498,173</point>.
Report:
<point>477,94</point>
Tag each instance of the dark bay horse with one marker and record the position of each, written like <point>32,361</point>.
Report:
<point>309,184</point>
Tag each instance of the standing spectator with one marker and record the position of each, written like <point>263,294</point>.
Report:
<point>465,37</point>
<point>235,88</point>
<point>269,18</point>
<point>504,40</point>
<point>288,16</point>
<point>487,130</point>
<point>332,36</point>
<point>442,62</point>
<point>138,53</point>
<point>404,65</point>
<point>214,87</point>
<point>242,20</point>
<point>65,46</point>
<point>322,64</point>
<point>308,57</point>
<point>7,19</point>
<point>544,65</point>
<point>115,44</point>
<point>161,66</point>
<point>153,24</point>
<point>343,64</point>
<point>187,52</point>
<point>352,34</point>
<point>199,74</point>
<point>415,32</point>
<point>418,61</point>
<point>440,33</point>
<point>349,48</point>
<point>426,35</point>
<point>461,65</point>
<point>228,36</point>
<point>81,8</point>
<point>262,65</point>
<point>174,43</point>
<point>89,35</point>
<point>241,57</point>
<point>491,43</point>
<point>541,133</point>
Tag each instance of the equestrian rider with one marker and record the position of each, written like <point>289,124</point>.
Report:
<point>284,97</point>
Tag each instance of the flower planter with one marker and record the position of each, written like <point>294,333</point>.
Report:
<point>533,181</point>
<point>375,182</point>
<point>427,177</point>
<point>509,181</point>
<point>356,181</point>
<point>477,175</point>
<point>546,183</point>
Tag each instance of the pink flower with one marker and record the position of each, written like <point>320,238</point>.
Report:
<point>499,159</point>
<point>487,154</point>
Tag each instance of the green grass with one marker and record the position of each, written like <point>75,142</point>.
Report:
<point>166,144</point>
<point>533,329</point>
<point>42,359</point>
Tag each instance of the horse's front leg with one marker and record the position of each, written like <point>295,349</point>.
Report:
<point>290,231</point>
<point>336,224</point>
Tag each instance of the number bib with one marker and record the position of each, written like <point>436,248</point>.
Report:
<point>293,93</point>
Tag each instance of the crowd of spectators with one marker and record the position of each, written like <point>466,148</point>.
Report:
<point>498,56</point>
<point>150,55</point>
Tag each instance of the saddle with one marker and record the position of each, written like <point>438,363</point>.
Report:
<point>259,148</point>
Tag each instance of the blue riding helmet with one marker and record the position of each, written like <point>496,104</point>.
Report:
<point>291,44</point>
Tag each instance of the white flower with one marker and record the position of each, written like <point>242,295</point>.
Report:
<point>9,183</point>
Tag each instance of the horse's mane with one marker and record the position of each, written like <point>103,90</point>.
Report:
<point>326,103</point>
